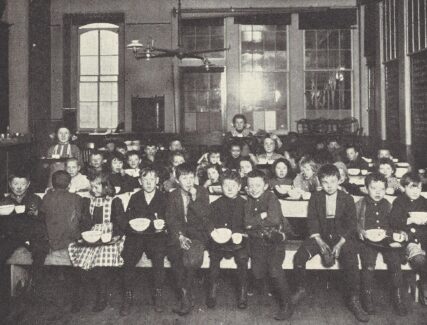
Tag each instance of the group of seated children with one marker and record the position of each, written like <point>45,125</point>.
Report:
<point>183,224</point>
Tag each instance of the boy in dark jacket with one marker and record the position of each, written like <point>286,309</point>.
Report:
<point>148,203</point>
<point>228,212</point>
<point>186,218</point>
<point>373,213</point>
<point>331,226</point>
<point>265,225</point>
<point>402,220</point>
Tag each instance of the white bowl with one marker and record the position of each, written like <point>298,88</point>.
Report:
<point>306,196</point>
<point>105,238</point>
<point>402,164</point>
<point>395,160</point>
<point>159,224</point>
<point>221,235</point>
<point>20,209</point>
<point>139,224</point>
<point>128,142</point>
<point>91,236</point>
<point>5,210</point>
<point>364,172</point>
<point>353,171</point>
<point>420,217</point>
<point>375,235</point>
<point>237,238</point>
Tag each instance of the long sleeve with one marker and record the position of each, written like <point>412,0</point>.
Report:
<point>86,222</point>
<point>348,224</point>
<point>118,217</point>
<point>313,217</point>
<point>398,215</point>
<point>172,215</point>
<point>274,212</point>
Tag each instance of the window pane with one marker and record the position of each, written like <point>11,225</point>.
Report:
<point>281,60</point>
<point>110,65</point>
<point>108,91</point>
<point>310,59</point>
<point>333,59</point>
<point>88,65</point>
<point>281,41</point>
<point>88,92</point>
<point>345,39</point>
<point>322,59</point>
<point>89,43</point>
<point>109,42</point>
<point>108,114</point>
<point>246,62</point>
<point>269,41</point>
<point>88,115</point>
<point>310,39</point>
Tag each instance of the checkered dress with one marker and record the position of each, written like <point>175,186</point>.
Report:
<point>98,256</point>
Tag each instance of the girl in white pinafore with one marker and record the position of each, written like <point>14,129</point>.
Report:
<point>104,213</point>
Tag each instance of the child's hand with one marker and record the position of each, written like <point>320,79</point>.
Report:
<point>184,242</point>
<point>123,172</point>
<point>193,192</point>
<point>362,234</point>
<point>324,248</point>
<point>337,249</point>
<point>263,215</point>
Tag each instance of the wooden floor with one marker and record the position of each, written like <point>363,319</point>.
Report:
<point>323,306</point>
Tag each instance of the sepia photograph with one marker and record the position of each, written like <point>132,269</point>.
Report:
<point>213,162</point>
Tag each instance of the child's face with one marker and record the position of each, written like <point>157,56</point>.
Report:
<point>256,187</point>
<point>149,182</point>
<point>281,170</point>
<point>213,175</point>
<point>96,187</point>
<point>175,146</point>
<point>186,181</point>
<point>178,160</point>
<point>386,170</point>
<point>215,158</point>
<point>376,190</point>
<point>134,161</point>
<point>235,151</point>
<point>150,150</point>
<point>96,161</point>
<point>116,166</point>
<point>384,153</point>
<point>269,145</point>
<point>413,191</point>
<point>72,168</point>
<point>329,184</point>
<point>19,186</point>
<point>245,167</point>
<point>239,124</point>
<point>351,154</point>
<point>307,171</point>
<point>63,135</point>
<point>230,188</point>
<point>333,145</point>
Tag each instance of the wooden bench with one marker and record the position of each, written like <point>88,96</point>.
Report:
<point>21,259</point>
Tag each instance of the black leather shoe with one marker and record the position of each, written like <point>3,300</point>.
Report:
<point>211,299</point>
<point>285,312</point>
<point>357,310</point>
<point>185,305</point>
<point>368,302</point>
<point>242,302</point>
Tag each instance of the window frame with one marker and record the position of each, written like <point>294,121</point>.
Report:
<point>75,73</point>
<point>286,71</point>
<point>305,70</point>
<point>412,7</point>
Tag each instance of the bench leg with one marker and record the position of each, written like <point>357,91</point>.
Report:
<point>18,276</point>
<point>412,281</point>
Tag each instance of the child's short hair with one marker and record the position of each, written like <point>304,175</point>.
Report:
<point>239,116</point>
<point>213,150</point>
<point>385,161</point>
<point>72,159</point>
<point>281,160</point>
<point>150,143</point>
<point>411,177</point>
<point>328,170</point>
<point>132,153</point>
<point>147,170</point>
<point>107,187</point>
<point>249,160</point>
<point>307,160</point>
<point>375,177</point>
<point>61,180</point>
<point>121,145</point>
<point>257,173</point>
<point>117,156</point>
<point>96,153</point>
<point>19,173</point>
<point>352,146</point>
<point>184,169</point>
<point>62,126</point>
<point>235,144</point>
<point>232,176</point>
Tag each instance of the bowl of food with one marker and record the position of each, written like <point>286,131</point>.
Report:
<point>91,236</point>
<point>419,217</point>
<point>20,208</point>
<point>364,172</point>
<point>353,171</point>
<point>5,210</point>
<point>140,224</point>
<point>375,235</point>
<point>159,224</point>
<point>221,235</point>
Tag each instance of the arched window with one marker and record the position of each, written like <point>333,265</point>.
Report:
<point>98,76</point>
